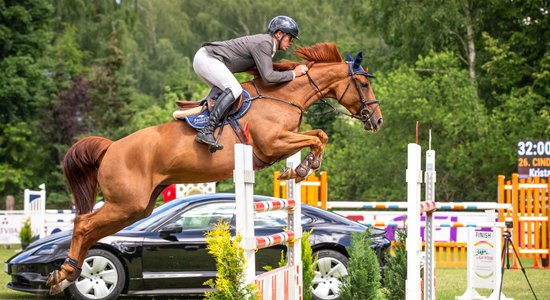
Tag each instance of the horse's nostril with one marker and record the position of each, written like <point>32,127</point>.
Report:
<point>380,122</point>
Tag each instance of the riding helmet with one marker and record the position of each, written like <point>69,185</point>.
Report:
<point>284,24</point>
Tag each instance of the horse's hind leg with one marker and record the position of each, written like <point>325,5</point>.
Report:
<point>89,228</point>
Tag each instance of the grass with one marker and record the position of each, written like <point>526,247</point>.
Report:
<point>450,282</point>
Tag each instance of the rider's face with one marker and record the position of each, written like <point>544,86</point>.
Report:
<point>286,42</point>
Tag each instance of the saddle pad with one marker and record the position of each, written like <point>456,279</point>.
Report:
<point>199,120</point>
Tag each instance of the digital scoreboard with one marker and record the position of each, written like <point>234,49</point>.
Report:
<point>533,158</point>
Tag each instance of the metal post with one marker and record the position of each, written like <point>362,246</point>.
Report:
<point>295,220</point>
<point>429,230</point>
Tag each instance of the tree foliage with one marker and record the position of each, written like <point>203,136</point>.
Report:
<point>395,273</point>
<point>364,279</point>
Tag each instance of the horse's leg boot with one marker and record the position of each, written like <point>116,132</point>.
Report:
<point>206,134</point>
<point>303,168</point>
<point>316,165</point>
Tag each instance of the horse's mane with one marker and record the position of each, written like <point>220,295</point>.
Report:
<point>321,52</point>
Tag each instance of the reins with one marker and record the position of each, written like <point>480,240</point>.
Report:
<point>364,113</point>
<point>260,96</point>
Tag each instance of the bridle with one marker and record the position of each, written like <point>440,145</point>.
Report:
<point>365,113</point>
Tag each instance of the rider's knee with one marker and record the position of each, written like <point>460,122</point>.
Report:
<point>236,90</point>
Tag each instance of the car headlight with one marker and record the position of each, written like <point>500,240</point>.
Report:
<point>46,249</point>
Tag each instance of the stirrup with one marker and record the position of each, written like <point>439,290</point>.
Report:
<point>214,148</point>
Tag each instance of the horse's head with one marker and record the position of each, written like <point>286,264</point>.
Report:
<point>356,95</point>
<point>332,77</point>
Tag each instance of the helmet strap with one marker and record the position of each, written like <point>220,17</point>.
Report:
<point>279,41</point>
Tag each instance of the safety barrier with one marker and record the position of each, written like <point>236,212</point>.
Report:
<point>530,217</point>
<point>314,189</point>
<point>35,207</point>
<point>284,282</point>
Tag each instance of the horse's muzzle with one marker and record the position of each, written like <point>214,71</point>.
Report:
<point>373,123</point>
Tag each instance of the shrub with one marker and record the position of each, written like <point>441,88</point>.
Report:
<point>307,265</point>
<point>26,233</point>
<point>395,273</point>
<point>363,281</point>
<point>230,264</point>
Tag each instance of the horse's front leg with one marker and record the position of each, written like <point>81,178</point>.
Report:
<point>317,140</point>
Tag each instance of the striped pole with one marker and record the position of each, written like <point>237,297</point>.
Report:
<point>278,204</point>
<point>443,224</point>
<point>274,239</point>
<point>361,205</point>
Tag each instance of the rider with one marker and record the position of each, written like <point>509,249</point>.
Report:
<point>215,63</point>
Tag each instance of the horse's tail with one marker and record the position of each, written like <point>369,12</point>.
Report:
<point>80,167</point>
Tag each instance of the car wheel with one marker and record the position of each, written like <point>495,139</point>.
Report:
<point>329,269</point>
<point>102,277</point>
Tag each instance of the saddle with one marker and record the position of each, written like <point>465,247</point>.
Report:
<point>197,113</point>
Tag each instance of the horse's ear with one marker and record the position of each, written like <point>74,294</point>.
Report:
<point>358,60</point>
<point>349,57</point>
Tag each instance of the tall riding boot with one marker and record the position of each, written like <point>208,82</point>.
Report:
<point>206,134</point>
<point>214,93</point>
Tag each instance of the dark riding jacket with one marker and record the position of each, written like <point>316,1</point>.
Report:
<point>243,53</point>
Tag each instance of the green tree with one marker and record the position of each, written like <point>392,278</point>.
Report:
<point>24,34</point>
<point>112,93</point>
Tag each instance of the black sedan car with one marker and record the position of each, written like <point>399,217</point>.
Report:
<point>165,253</point>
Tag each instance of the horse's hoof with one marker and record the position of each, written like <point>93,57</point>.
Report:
<point>53,279</point>
<point>285,174</point>
<point>58,288</point>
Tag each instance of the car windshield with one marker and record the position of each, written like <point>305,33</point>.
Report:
<point>190,217</point>
<point>156,216</point>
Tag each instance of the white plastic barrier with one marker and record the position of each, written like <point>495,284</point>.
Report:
<point>281,283</point>
<point>35,209</point>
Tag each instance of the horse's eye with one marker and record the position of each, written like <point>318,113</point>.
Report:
<point>365,84</point>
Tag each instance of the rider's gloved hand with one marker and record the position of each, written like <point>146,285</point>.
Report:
<point>300,70</point>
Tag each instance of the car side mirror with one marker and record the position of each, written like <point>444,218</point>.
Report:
<point>171,229</point>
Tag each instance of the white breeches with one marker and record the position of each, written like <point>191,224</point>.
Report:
<point>214,72</point>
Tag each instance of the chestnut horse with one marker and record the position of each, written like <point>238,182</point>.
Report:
<point>132,171</point>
